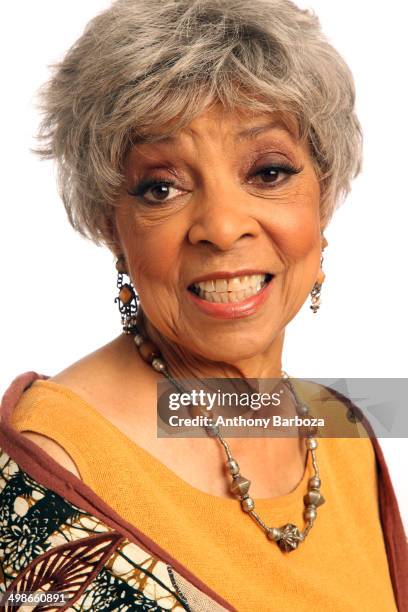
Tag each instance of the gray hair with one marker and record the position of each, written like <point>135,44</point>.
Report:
<point>143,65</point>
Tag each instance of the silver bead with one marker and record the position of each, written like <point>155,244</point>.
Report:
<point>138,339</point>
<point>311,443</point>
<point>291,536</point>
<point>310,513</point>
<point>158,364</point>
<point>240,485</point>
<point>233,467</point>
<point>247,504</point>
<point>303,410</point>
<point>314,483</point>
<point>274,534</point>
<point>321,500</point>
<point>313,498</point>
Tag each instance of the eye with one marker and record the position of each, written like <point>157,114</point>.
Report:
<point>155,190</point>
<point>273,174</point>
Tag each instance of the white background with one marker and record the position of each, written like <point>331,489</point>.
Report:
<point>57,290</point>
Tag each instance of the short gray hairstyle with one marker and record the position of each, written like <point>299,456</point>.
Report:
<point>143,65</point>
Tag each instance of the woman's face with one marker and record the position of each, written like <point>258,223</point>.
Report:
<point>220,228</point>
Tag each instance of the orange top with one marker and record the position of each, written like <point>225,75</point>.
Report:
<point>341,566</point>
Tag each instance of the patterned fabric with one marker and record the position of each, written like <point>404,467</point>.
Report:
<point>48,543</point>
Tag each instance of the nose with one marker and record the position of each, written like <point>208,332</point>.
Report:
<point>221,219</point>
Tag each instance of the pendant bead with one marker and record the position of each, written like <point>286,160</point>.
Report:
<point>290,537</point>
<point>240,485</point>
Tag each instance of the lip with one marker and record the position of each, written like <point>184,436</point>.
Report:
<point>232,310</point>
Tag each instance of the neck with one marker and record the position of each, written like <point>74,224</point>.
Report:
<point>183,363</point>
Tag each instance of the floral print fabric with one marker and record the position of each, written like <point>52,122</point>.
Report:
<point>48,543</point>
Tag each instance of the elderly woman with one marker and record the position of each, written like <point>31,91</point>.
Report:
<point>206,143</point>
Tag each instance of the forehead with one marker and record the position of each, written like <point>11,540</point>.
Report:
<point>215,121</point>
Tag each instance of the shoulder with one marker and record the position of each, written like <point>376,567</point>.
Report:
<point>41,415</point>
<point>99,370</point>
<point>114,370</point>
<point>62,414</point>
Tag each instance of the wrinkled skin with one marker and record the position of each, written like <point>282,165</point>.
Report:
<point>222,212</point>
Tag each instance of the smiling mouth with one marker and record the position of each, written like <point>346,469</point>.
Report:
<point>229,290</point>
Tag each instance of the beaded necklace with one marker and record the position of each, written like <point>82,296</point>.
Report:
<point>288,536</point>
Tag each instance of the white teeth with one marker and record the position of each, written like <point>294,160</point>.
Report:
<point>234,284</point>
<point>209,285</point>
<point>230,290</point>
<point>221,285</point>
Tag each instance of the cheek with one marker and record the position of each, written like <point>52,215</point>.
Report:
<point>300,236</point>
<point>152,253</point>
<point>296,227</point>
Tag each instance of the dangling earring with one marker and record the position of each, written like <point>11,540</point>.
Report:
<point>317,287</point>
<point>128,300</point>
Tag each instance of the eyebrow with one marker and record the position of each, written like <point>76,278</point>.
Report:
<point>253,132</point>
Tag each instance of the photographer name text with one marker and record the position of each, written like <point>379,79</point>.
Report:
<point>241,421</point>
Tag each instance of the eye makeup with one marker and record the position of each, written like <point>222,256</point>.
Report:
<point>269,163</point>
